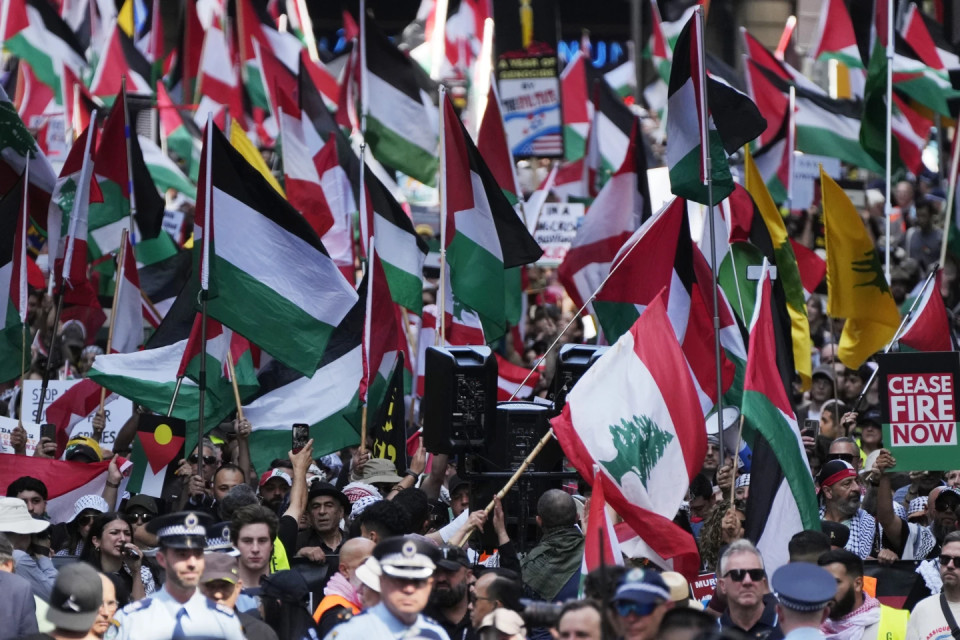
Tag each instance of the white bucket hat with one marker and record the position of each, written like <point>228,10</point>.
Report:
<point>15,518</point>
<point>92,501</point>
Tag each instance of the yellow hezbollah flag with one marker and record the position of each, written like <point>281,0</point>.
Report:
<point>787,269</point>
<point>856,287</point>
<point>240,142</point>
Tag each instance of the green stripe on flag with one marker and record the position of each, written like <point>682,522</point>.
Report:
<point>394,150</point>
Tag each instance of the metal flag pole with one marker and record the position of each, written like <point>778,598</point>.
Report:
<point>888,205</point>
<point>205,282</point>
<point>128,132</point>
<point>951,195</point>
<point>442,183</point>
<point>707,162</point>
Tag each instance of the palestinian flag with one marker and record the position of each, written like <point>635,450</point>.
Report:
<point>13,281</point>
<point>661,256</point>
<point>127,319</point>
<point>156,448</point>
<point>575,107</point>
<point>813,268</point>
<point>610,136</point>
<point>484,235</point>
<point>856,287</point>
<point>120,59</point>
<point>510,377</point>
<point>68,221</point>
<point>164,172</point>
<point>601,546</point>
<point>182,79</point>
<point>928,328</point>
<point>270,58</point>
<point>461,328</point>
<point>78,105</point>
<point>493,147</point>
<point>78,403</point>
<point>221,341</point>
<point>835,38</point>
<point>162,277</point>
<point>181,133</point>
<point>66,482</point>
<point>635,414</point>
<point>767,411</point>
<point>36,34</point>
<point>328,400</point>
<point>398,107</point>
<point>217,83</point>
<point>299,283</point>
<point>384,338</point>
<point>321,77</point>
<point>787,271</point>
<point>16,146</point>
<point>619,210</point>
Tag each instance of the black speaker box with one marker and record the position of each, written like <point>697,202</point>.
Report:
<point>572,362</point>
<point>459,399</point>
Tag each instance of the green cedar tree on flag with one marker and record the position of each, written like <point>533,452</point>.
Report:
<point>483,233</point>
<point>767,411</point>
<point>399,109</point>
<point>635,414</point>
<point>731,121</point>
<point>13,281</point>
<point>262,264</point>
<point>157,445</point>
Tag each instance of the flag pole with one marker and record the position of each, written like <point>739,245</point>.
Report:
<point>438,39</point>
<point>951,196</point>
<point>888,205</point>
<point>22,289</point>
<point>442,183</point>
<point>128,132</point>
<point>896,335</point>
<point>306,26</point>
<point>205,281</point>
<point>233,382</point>
<point>367,333</point>
<point>707,163</point>
<point>791,142</point>
<point>733,471</point>
<point>364,85</point>
<point>173,400</point>
<point>121,258</point>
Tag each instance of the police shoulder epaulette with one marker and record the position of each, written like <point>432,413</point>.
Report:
<point>138,605</point>
<point>222,609</point>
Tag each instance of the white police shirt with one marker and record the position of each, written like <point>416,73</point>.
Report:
<point>377,622</point>
<point>159,617</point>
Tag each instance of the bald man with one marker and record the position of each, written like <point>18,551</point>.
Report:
<point>341,598</point>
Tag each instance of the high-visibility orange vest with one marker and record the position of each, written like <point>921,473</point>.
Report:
<point>331,601</point>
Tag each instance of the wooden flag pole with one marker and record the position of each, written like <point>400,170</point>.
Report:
<point>465,533</point>
<point>363,428</point>
<point>113,312</point>
<point>233,383</point>
<point>736,454</point>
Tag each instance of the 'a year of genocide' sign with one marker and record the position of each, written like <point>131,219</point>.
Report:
<point>918,399</point>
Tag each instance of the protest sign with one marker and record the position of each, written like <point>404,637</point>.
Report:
<point>556,228</point>
<point>704,587</point>
<point>116,412</point>
<point>7,425</point>
<point>918,400</point>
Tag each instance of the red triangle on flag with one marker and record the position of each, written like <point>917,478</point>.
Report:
<point>160,446</point>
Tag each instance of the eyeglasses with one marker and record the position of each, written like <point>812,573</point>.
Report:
<point>208,460</point>
<point>625,608</point>
<point>142,518</point>
<point>846,457</point>
<point>945,560</point>
<point>738,575</point>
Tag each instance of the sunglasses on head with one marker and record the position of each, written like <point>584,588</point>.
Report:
<point>206,459</point>
<point>846,457</point>
<point>945,560</point>
<point>625,608</point>
<point>738,575</point>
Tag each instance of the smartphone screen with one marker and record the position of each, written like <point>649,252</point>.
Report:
<point>48,430</point>
<point>811,427</point>
<point>300,434</point>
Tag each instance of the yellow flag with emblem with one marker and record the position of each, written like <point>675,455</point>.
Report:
<point>856,287</point>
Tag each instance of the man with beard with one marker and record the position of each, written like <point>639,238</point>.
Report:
<point>856,615</point>
<point>179,610</point>
<point>449,604</point>
<point>840,502</point>
<point>942,505</point>
<point>341,596</point>
<point>274,488</point>
<point>929,619</point>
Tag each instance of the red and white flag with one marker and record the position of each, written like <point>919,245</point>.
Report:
<point>79,402</point>
<point>510,377</point>
<point>601,545</point>
<point>928,328</point>
<point>128,309</point>
<point>636,415</point>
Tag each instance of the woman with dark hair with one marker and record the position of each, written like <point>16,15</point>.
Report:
<point>75,530</point>
<point>109,548</point>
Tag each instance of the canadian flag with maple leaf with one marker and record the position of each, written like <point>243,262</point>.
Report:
<point>635,414</point>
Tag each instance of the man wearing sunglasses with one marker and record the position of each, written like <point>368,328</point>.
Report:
<point>193,491</point>
<point>942,506</point>
<point>750,607</point>
<point>930,617</point>
<point>640,602</point>
<point>845,449</point>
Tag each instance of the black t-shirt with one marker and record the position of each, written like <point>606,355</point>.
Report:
<point>287,532</point>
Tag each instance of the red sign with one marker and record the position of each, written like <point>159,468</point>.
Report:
<point>704,586</point>
<point>922,410</point>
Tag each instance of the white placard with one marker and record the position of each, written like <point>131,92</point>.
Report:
<point>806,169</point>
<point>556,228</point>
<point>117,412</point>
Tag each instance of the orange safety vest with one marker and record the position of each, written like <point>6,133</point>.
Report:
<point>331,601</point>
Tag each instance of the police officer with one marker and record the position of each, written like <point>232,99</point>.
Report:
<point>407,564</point>
<point>803,592</point>
<point>179,610</point>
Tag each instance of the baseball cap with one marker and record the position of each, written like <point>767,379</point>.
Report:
<point>825,371</point>
<point>16,518</point>
<point>220,566</point>
<point>143,501</point>
<point>83,450</point>
<point>452,558</point>
<point>642,587</point>
<point>76,598</point>
<point>505,621</point>
<point>870,418</point>
<point>838,532</point>
<point>275,473</point>
<point>407,557</point>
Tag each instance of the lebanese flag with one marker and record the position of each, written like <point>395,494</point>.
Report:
<point>928,328</point>
<point>509,379</point>
<point>601,545</point>
<point>636,415</point>
<point>79,402</point>
<point>128,309</point>
<point>66,482</point>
